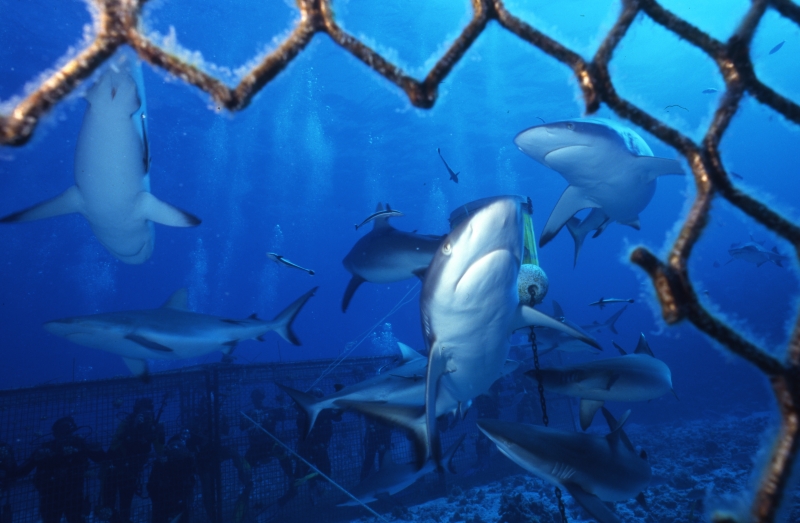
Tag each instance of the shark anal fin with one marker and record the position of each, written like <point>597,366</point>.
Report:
<point>436,367</point>
<point>355,282</point>
<point>592,504</point>
<point>67,202</point>
<point>587,411</point>
<point>148,344</point>
<point>571,201</point>
<point>653,167</point>
<point>138,368</point>
<point>153,209</point>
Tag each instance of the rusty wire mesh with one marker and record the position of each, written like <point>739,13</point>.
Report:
<point>119,25</point>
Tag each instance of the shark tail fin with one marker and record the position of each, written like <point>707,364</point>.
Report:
<point>448,456</point>
<point>307,402</point>
<point>574,228</point>
<point>613,320</point>
<point>282,323</point>
<point>67,202</point>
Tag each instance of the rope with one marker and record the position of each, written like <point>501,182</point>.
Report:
<point>353,345</point>
<point>312,467</point>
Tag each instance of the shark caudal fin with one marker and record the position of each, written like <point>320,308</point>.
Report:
<point>610,322</point>
<point>153,209</point>
<point>310,405</point>
<point>282,323</point>
<point>67,202</point>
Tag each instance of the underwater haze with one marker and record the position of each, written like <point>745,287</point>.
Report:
<point>328,139</point>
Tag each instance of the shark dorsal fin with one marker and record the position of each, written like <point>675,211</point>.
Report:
<point>178,301</point>
<point>408,353</point>
<point>617,434</point>
<point>620,349</point>
<point>643,347</point>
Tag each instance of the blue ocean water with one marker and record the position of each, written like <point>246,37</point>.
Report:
<point>328,139</point>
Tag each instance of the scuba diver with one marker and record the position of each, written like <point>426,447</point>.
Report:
<point>263,449</point>
<point>315,447</point>
<point>488,406</point>
<point>128,453</point>
<point>8,473</point>
<point>172,481</point>
<point>61,466</point>
<point>209,453</point>
<point>377,442</point>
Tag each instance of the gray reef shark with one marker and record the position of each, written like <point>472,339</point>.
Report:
<point>630,377</point>
<point>112,170</point>
<point>755,253</point>
<point>394,477</point>
<point>469,306</point>
<point>171,332</point>
<point>609,324</point>
<point>551,339</point>
<point>593,469</point>
<point>386,255</point>
<point>610,169</point>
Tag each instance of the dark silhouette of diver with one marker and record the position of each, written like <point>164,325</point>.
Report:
<point>61,465</point>
<point>264,449</point>
<point>315,447</point>
<point>209,453</point>
<point>8,473</point>
<point>127,455</point>
<point>377,442</point>
<point>171,481</point>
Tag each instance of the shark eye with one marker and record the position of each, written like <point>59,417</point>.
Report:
<point>446,248</point>
<point>570,126</point>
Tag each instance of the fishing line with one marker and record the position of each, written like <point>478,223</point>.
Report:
<point>315,469</point>
<point>351,346</point>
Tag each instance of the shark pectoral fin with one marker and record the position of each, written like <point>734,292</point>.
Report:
<point>592,504</point>
<point>178,301</point>
<point>653,167</point>
<point>282,323</point>
<point>153,209</point>
<point>571,201</point>
<point>229,347</point>
<point>137,367</point>
<point>420,273</point>
<point>587,411</point>
<point>436,367</point>
<point>147,343</point>
<point>528,316</point>
<point>355,282</point>
<point>67,202</point>
<point>615,427</point>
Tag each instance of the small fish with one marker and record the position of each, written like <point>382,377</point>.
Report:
<point>277,258</point>
<point>388,213</point>
<point>602,302</point>
<point>453,175</point>
<point>709,90</point>
<point>777,48</point>
<point>737,176</point>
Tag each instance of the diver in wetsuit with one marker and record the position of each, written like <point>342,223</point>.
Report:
<point>315,447</point>
<point>172,481</point>
<point>130,448</point>
<point>377,442</point>
<point>8,473</point>
<point>264,449</point>
<point>61,466</point>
